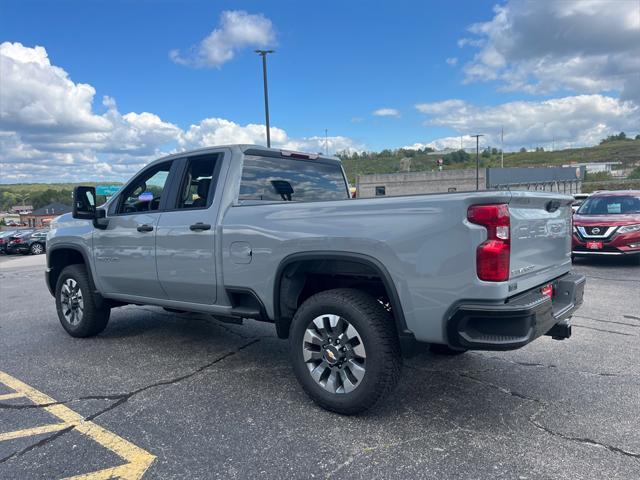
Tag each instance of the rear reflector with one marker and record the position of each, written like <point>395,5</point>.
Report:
<point>547,290</point>
<point>493,255</point>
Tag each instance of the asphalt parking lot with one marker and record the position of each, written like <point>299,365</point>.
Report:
<point>165,396</point>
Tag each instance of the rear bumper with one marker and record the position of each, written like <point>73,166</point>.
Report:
<point>519,320</point>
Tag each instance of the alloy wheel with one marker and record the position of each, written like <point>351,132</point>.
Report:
<point>72,301</point>
<point>334,354</point>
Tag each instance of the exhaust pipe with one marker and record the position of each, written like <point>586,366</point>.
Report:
<point>560,330</point>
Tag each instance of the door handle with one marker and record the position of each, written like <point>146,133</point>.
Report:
<point>200,226</point>
<point>145,228</point>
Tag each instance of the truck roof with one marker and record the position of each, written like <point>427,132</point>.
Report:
<point>255,150</point>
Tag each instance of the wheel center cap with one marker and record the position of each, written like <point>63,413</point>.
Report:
<point>331,355</point>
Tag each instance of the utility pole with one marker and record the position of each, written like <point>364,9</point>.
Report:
<point>502,147</point>
<point>477,136</point>
<point>263,54</point>
<point>326,142</point>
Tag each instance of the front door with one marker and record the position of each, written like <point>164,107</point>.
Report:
<point>186,234</point>
<point>125,252</point>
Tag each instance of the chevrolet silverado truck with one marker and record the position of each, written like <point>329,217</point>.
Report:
<point>245,232</point>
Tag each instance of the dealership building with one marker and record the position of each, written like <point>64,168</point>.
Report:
<point>41,217</point>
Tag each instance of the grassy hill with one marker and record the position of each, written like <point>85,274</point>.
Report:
<point>388,161</point>
<point>38,194</point>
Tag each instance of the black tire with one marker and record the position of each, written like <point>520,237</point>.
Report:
<point>444,350</point>
<point>375,327</point>
<point>93,319</point>
<point>36,249</point>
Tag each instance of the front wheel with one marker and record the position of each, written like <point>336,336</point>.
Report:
<point>76,305</point>
<point>345,350</point>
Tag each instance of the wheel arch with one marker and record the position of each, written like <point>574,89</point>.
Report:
<point>61,255</point>
<point>283,321</point>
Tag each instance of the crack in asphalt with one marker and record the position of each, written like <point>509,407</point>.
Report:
<point>632,317</point>
<point>41,443</point>
<point>604,330</point>
<point>504,390</point>
<point>539,426</point>
<point>582,440</point>
<point>551,366</point>
<point>543,405</point>
<point>121,398</point>
<point>613,279</point>
<point>608,321</point>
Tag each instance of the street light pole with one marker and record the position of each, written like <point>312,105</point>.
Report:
<point>263,54</point>
<point>477,159</point>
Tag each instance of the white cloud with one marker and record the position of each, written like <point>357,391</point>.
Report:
<point>452,61</point>
<point>445,143</point>
<point>218,131</point>
<point>588,46</point>
<point>386,112</point>
<point>445,106</point>
<point>237,30</point>
<point>569,121</point>
<point>50,132</point>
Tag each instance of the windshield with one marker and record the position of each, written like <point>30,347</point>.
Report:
<point>610,205</point>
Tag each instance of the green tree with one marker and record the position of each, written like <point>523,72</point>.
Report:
<point>635,173</point>
<point>614,138</point>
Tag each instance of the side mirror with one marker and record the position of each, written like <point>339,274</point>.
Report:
<point>84,203</point>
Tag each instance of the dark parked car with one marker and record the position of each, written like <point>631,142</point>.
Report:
<point>28,242</point>
<point>4,239</point>
<point>608,223</point>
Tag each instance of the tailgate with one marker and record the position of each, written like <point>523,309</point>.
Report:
<point>540,237</point>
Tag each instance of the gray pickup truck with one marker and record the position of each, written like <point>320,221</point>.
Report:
<point>244,232</point>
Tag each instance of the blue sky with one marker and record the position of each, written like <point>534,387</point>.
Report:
<point>336,63</point>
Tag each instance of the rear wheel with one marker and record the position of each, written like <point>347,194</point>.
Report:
<point>345,350</point>
<point>77,309</point>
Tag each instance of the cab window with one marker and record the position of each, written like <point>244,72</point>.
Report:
<point>198,184</point>
<point>145,192</point>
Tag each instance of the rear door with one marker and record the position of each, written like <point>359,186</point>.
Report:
<point>540,236</point>
<point>186,236</point>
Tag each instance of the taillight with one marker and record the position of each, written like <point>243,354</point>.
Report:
<point>492,256</point>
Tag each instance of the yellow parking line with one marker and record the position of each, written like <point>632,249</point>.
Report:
<point>9,396</point>
<point>138,460</point>
<point>27,432</point>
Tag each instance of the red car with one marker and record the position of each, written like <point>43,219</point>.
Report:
<point>608,223</point>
